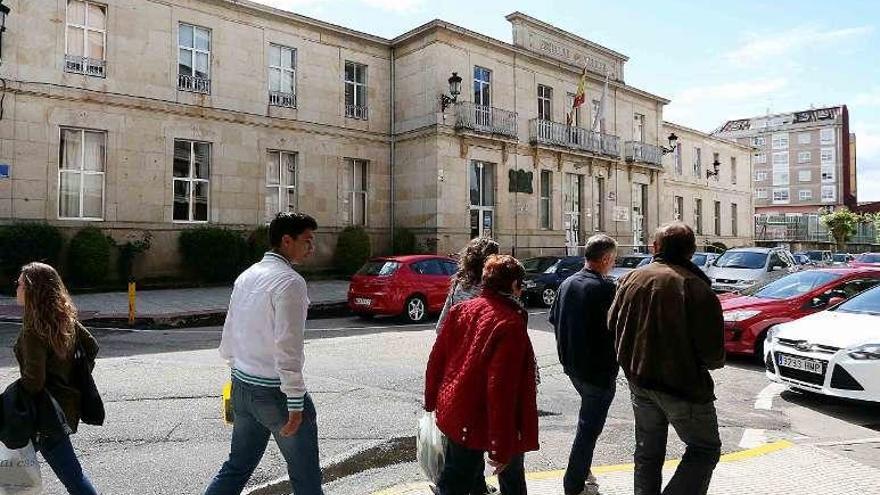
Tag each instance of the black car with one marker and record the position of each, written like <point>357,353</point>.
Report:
<point>540,286</point>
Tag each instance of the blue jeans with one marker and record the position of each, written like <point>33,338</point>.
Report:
<point>59,455</point>
<point>260,412</point>
<point>595,402</point>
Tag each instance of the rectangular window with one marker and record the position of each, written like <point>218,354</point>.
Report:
<point>805,194</point>
<point>678,208</point>
<point>804,156</point>
<point>759,141</point>
<point>86,38</point>
<point>81,174</point>
<point>780,158</point>
<point>191,182</point>
<point>482,86</point>
<point>827,155</point>
<point>676,156</point>
<point>599,214</point>
<point>638,127</point>
<point>761,193</point>
<point>780,196</point>
<point>482,198</point>
<point>826,136</point>
<point>357,174</point>
<point>193,58</point>
<point>760,176</point>
<point>780,141</point>
<point>761,158</point>
<point>598,120</point>
<point>282,76</point>
<point>545,102</point>
<point>805,176</point>
<point>356,91</point>
<point>780,178</point>
<point>718,218</point>
<point>280,183</point>
<point>827,173</point>
<point>698,215</point>
<point>804,138</point>
<point>733,172</point>
<point>546,203</point>
<point>828,194</point>
<point>734,231</point>
<point>698,162</point>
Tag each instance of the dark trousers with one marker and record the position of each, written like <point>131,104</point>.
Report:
<point>697,426</point>
<point>59,455</point>
<point>463,470</point>
<point>595,402</point>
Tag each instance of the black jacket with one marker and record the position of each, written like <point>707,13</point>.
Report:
<point>580,318</point>
<point>25,416</point>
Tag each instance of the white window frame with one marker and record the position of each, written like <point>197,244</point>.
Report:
<point>483,209</point>
<point>761,175</point>
<point>781,200</point>
<point>677,207</point>
<point>85,28</point>
<point>676,156</point>
<point>359,193</point>
<point>545,203</point>
<point>193,52</point>
<point>716,212</point>
<point>805,195</point>
<point>826,156</point>
<point>828,173</point>
<point>733,171</point>
<point>282,188</point>
<point>761,193</point>
<point>481,86</point>
<point>780,141</point>
<point>545,102</point>
<point>596,110</point>
<point>805,175</point>
<point>638,127</point>
<point>829,198</point>
<point>356,109</point>
<point>759,141</point>
<point>698,162</point>
<point>804,156</point>
<point>698,215</point>
<point>781,178</point>
<point>805,138</point>
<point>82,172</point>
<point>826,136</point>
<point>734,213</point>
<point>283,72</point>
<point>761,158</point>
<point>192,182</point>
<point>780,158</point>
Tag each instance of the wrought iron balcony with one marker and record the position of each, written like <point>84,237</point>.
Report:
<point>481,118</point>
<point>85,65</point>
<point>279,99</point>
<point>194,84</point>
<point>357,112</point>
<point>573,137</point>
<point>637,151</point>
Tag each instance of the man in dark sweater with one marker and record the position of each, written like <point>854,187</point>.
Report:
<point>586,350</point>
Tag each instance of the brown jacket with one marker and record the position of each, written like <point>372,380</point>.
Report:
<point>669,330</point>
<point>42,368</point>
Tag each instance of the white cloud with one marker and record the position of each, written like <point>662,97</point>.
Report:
<point>743,90</point>
<point>388,5</point>
<point>765,48</point>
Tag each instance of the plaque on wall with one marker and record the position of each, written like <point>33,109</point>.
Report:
<point>621,214</point>
<point>520,181</point>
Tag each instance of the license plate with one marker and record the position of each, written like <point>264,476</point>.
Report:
<point>796,363</point>
<point>362,301</point>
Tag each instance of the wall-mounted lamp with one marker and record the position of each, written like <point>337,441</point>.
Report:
<point>673,140</point>
<point>714,171</point>
<point>454,91</point>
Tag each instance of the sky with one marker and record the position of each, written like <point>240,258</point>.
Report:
<point>716,61</point>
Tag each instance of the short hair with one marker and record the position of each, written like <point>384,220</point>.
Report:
<point>501,271</point>
<point>675,241</point>
<point>598,246</point>
<point>292,224</point>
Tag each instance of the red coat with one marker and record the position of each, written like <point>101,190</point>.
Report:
<point>481,378</point>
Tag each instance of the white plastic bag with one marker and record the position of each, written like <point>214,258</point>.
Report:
<point>20,471</point>
<point>430,447</point>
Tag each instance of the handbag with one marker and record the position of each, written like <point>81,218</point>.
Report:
<point>20,471</point>
<point>90,403</point>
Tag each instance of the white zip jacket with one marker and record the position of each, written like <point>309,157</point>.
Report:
<point>263,334</point>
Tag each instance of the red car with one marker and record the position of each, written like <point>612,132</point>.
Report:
<point>749,313</point>
<point>866,259</point>
<point>407,286</point>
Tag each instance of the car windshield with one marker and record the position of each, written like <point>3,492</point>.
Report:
<point>379,267</point>
<point>537,265</point>
<point>869,258</point>
<point>628,261</point>
<point>793,285</point>
<point>742,259</point>
<point>867,302</point>
<point>699,259</point>
<point>814,255</point>
<point>840,258</point>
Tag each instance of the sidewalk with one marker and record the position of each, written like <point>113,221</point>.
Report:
<point>772,469</point>
<point>177,307</point>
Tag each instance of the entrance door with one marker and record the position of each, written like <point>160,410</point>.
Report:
<point>639,211</point>
<point>572,212</point>
<point>482,199</point>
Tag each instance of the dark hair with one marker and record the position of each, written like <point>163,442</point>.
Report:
<point>598,246</point>
<point>501,271</point>
<point>471,261</point>
<point>675,241</point>
<point>292,224</point>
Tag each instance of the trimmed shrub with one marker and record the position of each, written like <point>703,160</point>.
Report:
<point>213,254</point>
<point>352,250</point>
<point>22,243</point>
<point>129,251</point>
<point>88,259</point>
<point>405,242</point>
<point>258,243</point>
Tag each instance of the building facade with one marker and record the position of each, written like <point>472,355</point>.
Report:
<point>148,115</point>
<point>716,200</point>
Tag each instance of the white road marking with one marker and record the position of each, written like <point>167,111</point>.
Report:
<point>764,401</point>
<point>752,438</point>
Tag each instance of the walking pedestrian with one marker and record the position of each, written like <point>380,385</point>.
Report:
<point>263,344</point>
<point>481,381</point>
<point>466,282</point>
<point>45,350</point>
<point>579,316</point>
<point>669,334</point>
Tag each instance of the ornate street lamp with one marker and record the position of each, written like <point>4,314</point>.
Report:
<point>454,91</point>
<point>714,171</point>
<point>673,140</point>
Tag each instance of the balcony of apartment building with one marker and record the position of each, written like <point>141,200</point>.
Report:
<point>548,133</point>
<point>485,119</point>
<point>643,153</point>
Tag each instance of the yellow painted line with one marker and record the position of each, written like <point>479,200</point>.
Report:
<point>742,455</point>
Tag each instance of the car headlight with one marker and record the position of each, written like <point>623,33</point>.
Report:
<point>867,351</point>
<point>530,284</point>
<point>732,316</point>
<point>771,334</point>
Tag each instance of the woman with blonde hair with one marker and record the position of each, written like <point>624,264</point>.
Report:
<point>45,349</point>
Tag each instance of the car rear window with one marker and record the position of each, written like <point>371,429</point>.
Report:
<point>379,268</point>
<point>869,258</point>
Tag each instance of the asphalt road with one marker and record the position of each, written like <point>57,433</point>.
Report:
<point>164,433</point>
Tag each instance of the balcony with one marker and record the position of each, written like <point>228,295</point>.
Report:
<point>637,151</point>
<point>485,119</point>
<point>194,84</point>
<point>279,99</point>
<point>85,65</point>
<point>546,132</point>
<point>357,112</point>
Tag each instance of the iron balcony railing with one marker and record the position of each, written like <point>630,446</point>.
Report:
<point>806,228</point>
<point>481,118</point>
<point>576,138</point>
<point>357,112</point>
<point>194,84</point>
<point>637,151</point>
<point>279,99</point>
<point>85,65</point>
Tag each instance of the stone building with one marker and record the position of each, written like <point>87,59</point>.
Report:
<point>149,115</point>
<point>716,200</point>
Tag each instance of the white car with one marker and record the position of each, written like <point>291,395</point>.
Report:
<point>834,352</point>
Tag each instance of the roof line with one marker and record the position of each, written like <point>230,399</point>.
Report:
<point>706,135</point>
<point>571,36</point>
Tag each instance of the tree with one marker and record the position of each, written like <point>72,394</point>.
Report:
<point>841,224</point>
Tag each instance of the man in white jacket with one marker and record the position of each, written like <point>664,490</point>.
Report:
<point>263,344</point>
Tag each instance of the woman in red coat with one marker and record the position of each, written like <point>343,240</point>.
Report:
<point>482,383</point>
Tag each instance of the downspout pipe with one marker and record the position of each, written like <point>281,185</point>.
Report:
<point>391,157</point>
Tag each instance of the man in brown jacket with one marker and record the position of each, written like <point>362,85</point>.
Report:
<point>669,332</point>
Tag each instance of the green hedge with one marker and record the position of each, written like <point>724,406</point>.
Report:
<point>213,254</point>
<point>22,243</point>
<point>258,243</point>
<point>405,242</point>
<point>352,250</point>
<point>88,259</point>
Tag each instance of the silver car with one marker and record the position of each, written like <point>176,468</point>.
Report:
<point>741,268</point>
<point>704,260</point>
